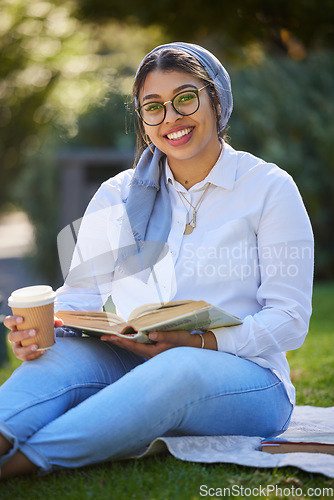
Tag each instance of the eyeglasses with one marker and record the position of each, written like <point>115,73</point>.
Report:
<point>185,103</point>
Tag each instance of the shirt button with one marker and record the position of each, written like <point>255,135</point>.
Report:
<point>173,252</point>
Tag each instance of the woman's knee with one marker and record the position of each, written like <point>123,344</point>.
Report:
<point>179,367</point>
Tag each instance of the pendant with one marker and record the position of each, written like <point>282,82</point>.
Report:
<point>189,229</point>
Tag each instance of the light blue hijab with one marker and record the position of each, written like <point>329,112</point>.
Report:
<point>148,205</point>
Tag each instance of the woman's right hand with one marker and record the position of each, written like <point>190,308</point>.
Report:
<point>15,337</point>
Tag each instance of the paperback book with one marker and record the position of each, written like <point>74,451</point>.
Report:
<point>177,315</point>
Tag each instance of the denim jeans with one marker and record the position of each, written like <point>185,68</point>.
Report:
<point>87,401</point>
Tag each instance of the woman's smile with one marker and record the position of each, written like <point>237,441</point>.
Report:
<point>189,141</point>
<point>179,136</point>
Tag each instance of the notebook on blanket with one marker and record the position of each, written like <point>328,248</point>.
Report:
<point>298,440</point>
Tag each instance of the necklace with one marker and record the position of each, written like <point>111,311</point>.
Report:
<point>190,226</point>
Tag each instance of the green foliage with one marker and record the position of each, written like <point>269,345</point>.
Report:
<point>39,196</point>
<point>283,113</point>
<point>280,25</point>
<point>53,68</point>
<point>107,126</point>
<point>48,74</point>
<point>87,71</point>
<point>167,478</point>
<point>39,191</point>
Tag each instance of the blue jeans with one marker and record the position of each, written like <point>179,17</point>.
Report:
<point>86,401</point>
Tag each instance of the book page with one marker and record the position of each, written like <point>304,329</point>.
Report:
<point>167,312</point>
<point>294,436</point>
<point>187,315</point>
<point>147,308</point>
<point>203,318</point>
<point>91,319</point>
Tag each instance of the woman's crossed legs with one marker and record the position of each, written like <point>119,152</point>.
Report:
<point>116,403</point>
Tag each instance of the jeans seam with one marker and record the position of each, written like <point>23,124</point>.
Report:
<point>120,359</point>
<point>236,392</point>
<point>206,398</point>
<point>56,395</point>
<point>286,423</point>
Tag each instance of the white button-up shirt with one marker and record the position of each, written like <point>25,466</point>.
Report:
<point>251,253</point>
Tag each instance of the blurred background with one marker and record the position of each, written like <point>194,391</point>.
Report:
<point>66,122</point>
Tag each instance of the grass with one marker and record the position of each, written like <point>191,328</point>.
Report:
<point>166,478</point>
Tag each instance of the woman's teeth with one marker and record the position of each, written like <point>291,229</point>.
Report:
<point>177,135</point>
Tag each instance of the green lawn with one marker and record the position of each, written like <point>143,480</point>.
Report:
<point>167,478</point>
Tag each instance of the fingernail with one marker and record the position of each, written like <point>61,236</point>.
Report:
<point>32,333</point>
<point>33,348</point>
<point>19,320</point>
<point>153,336</point>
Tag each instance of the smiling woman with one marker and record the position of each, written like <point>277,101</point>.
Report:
<point>183,125</point>
<point>195,220</point>
<point>179,105</point>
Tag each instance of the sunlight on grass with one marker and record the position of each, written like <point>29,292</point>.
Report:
<point>312,366</point>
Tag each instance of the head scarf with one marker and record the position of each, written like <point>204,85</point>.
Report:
<point>214,69</point>
<point>148,205</point>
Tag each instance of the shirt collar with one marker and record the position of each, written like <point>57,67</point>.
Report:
<point>222,174</point>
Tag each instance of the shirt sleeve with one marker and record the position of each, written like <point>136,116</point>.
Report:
<point>88,276</point>
<point>285,260</point>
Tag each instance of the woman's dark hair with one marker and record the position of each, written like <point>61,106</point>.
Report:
<point>170,60</point>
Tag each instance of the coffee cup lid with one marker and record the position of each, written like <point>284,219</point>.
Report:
<point>32,296</point>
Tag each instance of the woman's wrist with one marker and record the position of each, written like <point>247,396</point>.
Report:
<point>205,340</point>
<point>201,339</point>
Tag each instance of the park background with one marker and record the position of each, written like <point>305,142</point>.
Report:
<point>66,70</point>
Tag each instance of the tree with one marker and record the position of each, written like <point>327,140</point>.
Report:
<point>53,68</point>
<point>47,76</point>
<point>279,25</point>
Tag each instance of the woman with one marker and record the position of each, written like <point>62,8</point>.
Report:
<point>195,220</point>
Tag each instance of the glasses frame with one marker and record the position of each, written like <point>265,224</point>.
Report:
<point>196,91</point>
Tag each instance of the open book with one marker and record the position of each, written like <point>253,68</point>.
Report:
<point>292,441</point>
<point>182,315</point>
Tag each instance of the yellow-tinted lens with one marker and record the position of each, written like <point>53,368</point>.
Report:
<point>152,112</point>
<point>186,102</point>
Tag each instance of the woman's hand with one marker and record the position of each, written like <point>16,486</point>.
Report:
<point>163,341</point>
<point>15,337</point>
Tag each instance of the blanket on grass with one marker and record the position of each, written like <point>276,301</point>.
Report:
<point>247,450</point>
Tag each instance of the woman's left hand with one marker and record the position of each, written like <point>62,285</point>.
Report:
<point>163,341</point>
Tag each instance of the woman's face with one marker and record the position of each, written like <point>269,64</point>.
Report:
<point>180,137</point>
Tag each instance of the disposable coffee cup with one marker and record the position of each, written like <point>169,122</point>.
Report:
<point>36,305</point>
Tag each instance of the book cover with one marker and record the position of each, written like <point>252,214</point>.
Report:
<point>292,441</point>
